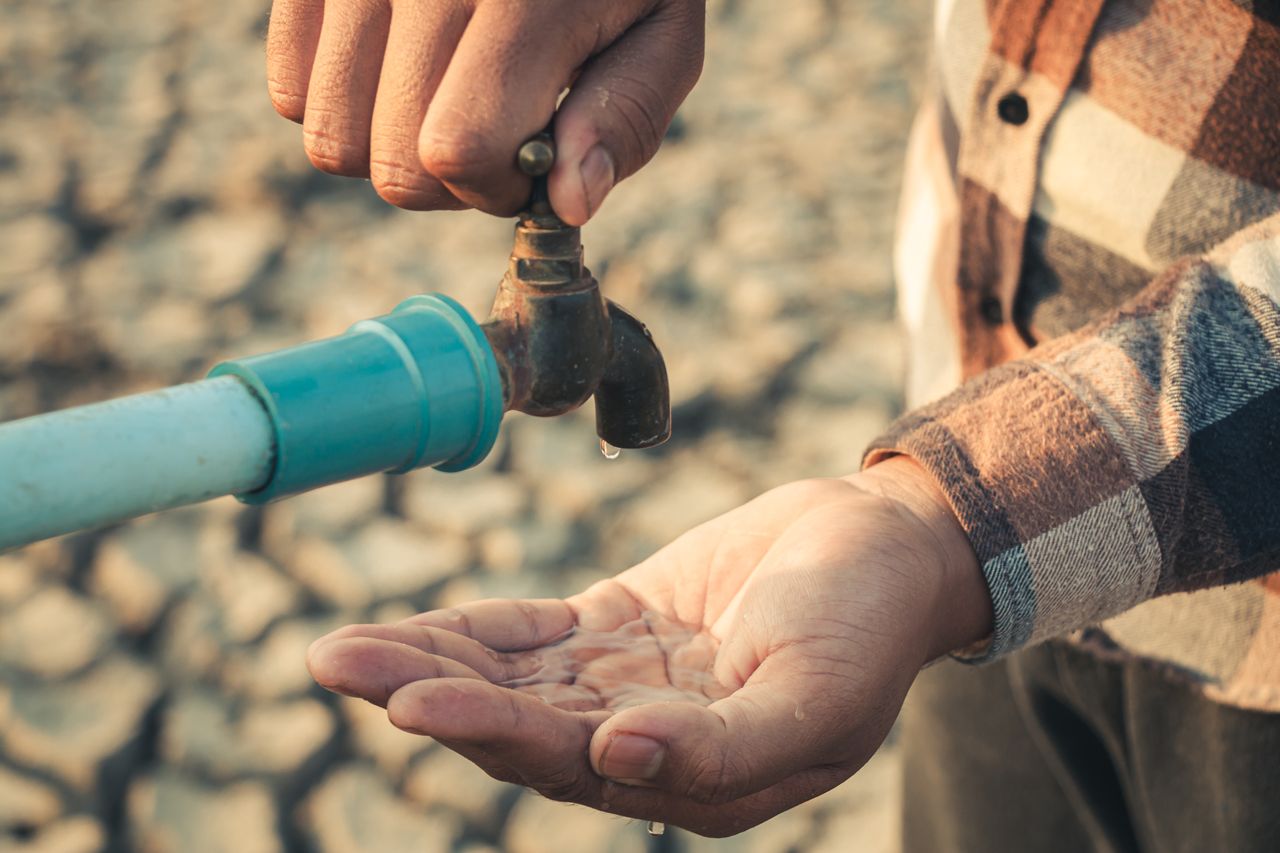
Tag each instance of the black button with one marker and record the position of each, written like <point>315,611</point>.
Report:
<point>1012,108</point>
<point>991,310</point>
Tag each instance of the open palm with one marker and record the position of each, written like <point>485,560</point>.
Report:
<point>752,664</point>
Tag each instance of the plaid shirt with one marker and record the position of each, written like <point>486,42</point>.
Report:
<point>1091,242</point>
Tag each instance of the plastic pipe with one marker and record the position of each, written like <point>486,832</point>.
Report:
<point>96,464</point>
<point>417,387</point>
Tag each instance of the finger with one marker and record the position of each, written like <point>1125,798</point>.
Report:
<point>373,670</point>
<point>725,819</point>
<point>344,81</point>
<point>419,45</point>
<point>614,118</point>
<point>783,721</point>
<point>494,666</point>
<point>292,35</point>
<point>501,87</point>
<point>545,746</point>
<point>505,624</point>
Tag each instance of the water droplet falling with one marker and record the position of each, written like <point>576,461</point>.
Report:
<point>609,451</point>
<point>656,828</point>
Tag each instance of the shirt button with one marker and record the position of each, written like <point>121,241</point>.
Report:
<point>1012,108</point>
<point>991,310</point>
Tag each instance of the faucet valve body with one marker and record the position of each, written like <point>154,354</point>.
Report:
<point>558,341</point>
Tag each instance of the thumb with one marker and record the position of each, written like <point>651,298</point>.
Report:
<point>737,746</point>
<point>613,119</point>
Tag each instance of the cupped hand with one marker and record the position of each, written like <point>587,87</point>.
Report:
<point>432,98</point>
<point>754,663</point>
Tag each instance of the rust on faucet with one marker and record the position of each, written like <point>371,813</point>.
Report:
<point>559,342</point>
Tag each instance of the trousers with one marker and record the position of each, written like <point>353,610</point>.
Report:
<point>1057,749</point>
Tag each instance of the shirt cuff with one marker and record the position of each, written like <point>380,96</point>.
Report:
<point>1054,514</point>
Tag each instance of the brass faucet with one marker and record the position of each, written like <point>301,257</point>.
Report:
<point>558,341</point>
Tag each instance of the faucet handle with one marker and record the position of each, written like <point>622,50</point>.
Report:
<point>536,158</point>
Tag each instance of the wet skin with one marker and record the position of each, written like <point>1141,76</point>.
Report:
<point>756,662</point>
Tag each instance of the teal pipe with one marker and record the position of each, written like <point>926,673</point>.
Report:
<point>417,387</point>
<point>97,464</point>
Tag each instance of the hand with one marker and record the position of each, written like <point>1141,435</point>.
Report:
<point>431,99</point>
<point>753,664</point>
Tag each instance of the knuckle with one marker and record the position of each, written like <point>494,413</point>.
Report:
<point>426,641</point>
<point>516,718</point>
<point>458,615</point>
<point>457,158</point>
<point>288,103</point>
<point>530,615</point>
<point>335,153</point>
<point>404,186</point>
<point>454,620</point>
<point>646,110</point>
<point>642,116</point>
<point>433,667</point>
<point>402,197</point>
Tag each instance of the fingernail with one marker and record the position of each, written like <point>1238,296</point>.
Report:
<point>630,757</point>
<point>597,177</point>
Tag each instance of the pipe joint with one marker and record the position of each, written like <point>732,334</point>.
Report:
<point>414,388</point>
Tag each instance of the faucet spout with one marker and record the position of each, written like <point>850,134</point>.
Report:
<point>633,399</point>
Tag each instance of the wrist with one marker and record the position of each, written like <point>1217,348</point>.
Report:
<point>962,614</point>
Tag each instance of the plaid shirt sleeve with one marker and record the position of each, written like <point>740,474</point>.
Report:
<point>1135,457</point>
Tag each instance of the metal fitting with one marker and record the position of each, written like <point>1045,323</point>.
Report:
<point>559,342</point>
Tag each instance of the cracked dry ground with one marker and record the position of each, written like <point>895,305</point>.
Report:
<point>156,216</point>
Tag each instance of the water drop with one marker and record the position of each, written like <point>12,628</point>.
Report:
<point>656,828</point>
<point>799,713</point>
<point>609,451</point>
